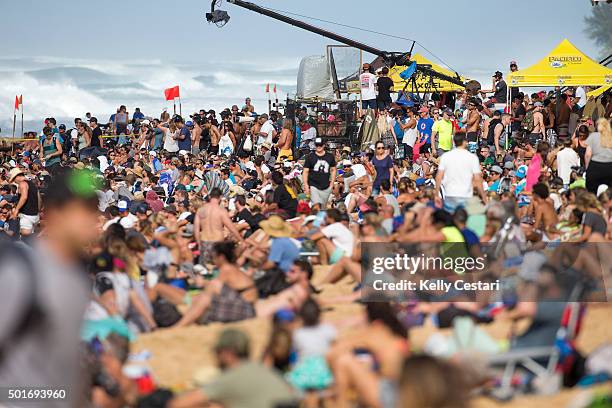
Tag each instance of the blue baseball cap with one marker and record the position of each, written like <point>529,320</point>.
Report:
<point>189,123</point>
<point>521,172</point>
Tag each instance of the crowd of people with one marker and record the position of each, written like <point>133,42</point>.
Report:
<point>221,217</point>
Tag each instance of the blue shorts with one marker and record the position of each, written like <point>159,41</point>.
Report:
<point>368,103</point>
<point>336,255</point>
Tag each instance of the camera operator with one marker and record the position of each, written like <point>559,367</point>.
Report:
<point>266,132</point>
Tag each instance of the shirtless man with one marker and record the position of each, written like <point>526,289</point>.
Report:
<point>473,122</point>
<point>285,141</point>
<point>545,214</point>
<point>208,225</point>
<point>539,129</point>
<point>215,136</point>
<point>196,136</point>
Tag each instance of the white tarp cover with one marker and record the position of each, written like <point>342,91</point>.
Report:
<point>314,79</point>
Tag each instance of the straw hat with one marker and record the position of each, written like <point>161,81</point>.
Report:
<point>138,171</point>
<point>276,227</point>
<point>14,173</point>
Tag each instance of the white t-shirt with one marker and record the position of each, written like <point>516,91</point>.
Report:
<point>268,129</point>
<point>170,144</point>
<point>341,236</point>
<point>129,221</point>
<point>459,166</point>
<point>566,158</point>
<point>359,170</point>
<point>410,135</point>
<point>314,341</point>
<point>368,88</point>
<point>581,93</point>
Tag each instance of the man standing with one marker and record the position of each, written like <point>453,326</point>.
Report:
<point>184,139</point>
<point>566,159</point>
<point>384,84</point>
<point>28,206</point>
<point>367,81</point>
<point>44,292</point>
<point>51,149</point>
<point>459,172</point>
<point>319,174</point>
<point>538,132</point>
<point>514,91</point>
<point>500,135</point>
<point>208,226</point>
<point>445,129</point>
<point>424,126</point>
<point>96,133</point>
<point>473,122</point>
<point>563,116</point>
<point>267,132</point>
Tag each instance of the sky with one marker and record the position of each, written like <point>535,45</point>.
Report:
<point>145,46</point>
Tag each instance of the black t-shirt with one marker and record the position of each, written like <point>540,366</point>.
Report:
<point>384,86</point>
<point>520,111</point>
<point>501,90</point>
<point>491,134</point>
<point>285,201</point>
<point>96,135</point>
<point>319,167</point>
<point>246,215</point>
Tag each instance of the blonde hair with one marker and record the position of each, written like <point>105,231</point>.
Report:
<point>603,127</point>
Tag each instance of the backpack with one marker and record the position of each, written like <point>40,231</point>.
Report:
<point>527,122</point>
<point>34,314</point>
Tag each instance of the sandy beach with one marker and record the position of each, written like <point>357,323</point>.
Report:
<point>191,351</point>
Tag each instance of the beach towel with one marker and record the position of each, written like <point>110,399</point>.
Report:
<point>533,172</point>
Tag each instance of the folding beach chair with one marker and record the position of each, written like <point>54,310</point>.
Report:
<point>528,357</point>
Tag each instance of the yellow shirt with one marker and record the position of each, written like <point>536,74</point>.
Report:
<point>444,129</point>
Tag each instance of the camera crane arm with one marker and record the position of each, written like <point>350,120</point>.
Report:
<point>392,58</point>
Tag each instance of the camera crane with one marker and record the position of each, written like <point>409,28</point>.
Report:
<point>221,17</point>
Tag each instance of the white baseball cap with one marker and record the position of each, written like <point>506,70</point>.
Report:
<point>122,205</point>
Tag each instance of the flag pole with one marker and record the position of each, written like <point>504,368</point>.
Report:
<point>180,107</point>
<point>275,98</point>
<point>174,102</point>
<point>269,99</point>
<point>14,123</point>
<point>21,100</point>
<point>14,120</point>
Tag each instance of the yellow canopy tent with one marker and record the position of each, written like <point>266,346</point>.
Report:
<point>423,84</point>
<point>565,65</point>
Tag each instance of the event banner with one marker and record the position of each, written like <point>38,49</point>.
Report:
<point>487,274</point>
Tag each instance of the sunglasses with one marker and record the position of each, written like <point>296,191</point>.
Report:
<point>380,148</point>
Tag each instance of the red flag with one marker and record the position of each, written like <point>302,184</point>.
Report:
<point>16,103</point>
<point>267,88</point>
<point>274,88</point>
<point>172,93</point>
